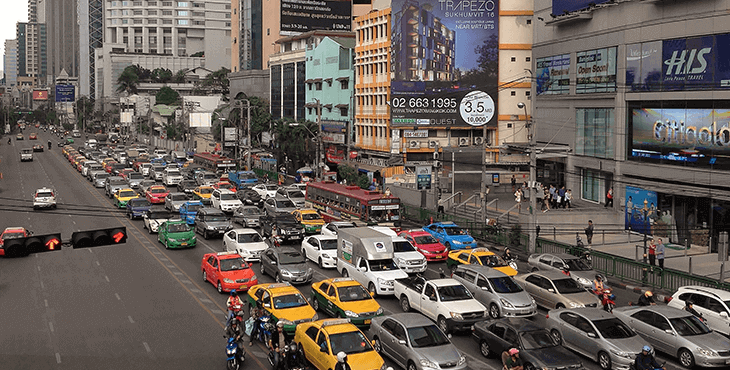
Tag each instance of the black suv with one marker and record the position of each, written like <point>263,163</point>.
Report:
<point>283,224</point>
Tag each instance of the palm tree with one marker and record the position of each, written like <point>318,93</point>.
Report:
<point>128,80</point>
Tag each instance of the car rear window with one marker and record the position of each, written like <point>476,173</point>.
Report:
<point>45,194</point>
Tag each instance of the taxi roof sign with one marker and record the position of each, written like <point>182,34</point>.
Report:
<point>341,279</point>
<point>225,253</point>
<point>277,285</point>
<point>481,249</point>
<point>332,322</point>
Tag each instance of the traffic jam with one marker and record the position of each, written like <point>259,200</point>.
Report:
<point>271,245</point>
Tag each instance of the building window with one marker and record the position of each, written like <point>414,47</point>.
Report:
<point>527,93</point>
<point>199,23</point>
<point>167,3</point>
<point>309,85</point>
<point>594,132</point>
<point>343,111</point>
<point>182,13</point>
<point>138,12</point>
<point>527,59</point>
<point>152,12</point>
<point>529,21</point>
<point>344,84</point>
<point>513,93</point>
<point>167,12</point>
<point>514,59</point>
<point>182,4</point>
<point>592,185</point>
<point>152,3</point>
<point>318,85</point>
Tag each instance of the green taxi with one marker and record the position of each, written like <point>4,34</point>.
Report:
<point>176,234</point>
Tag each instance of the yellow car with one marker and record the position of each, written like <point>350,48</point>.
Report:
<point>322,340</point>
<point>122,196</point>
<point>105,161</point>
<point>310,219</point>
<point>202,192</point>
<point>284,303</point>
<point>346,298</point>
<point>479,256</point>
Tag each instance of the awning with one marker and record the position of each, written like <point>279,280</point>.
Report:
<point>328,106</point>
<point>328,79</point>
<point>343,78</point>
<point>309,81</point>
<point>342,105</point>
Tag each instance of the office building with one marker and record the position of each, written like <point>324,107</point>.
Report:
<point>10,63</point>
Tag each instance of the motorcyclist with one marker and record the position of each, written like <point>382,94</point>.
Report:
<point>598,284</point>
<point>511,359</point>
<point>256,313</point>
<point>49,144</point>
<point>607,298</point>
<point>645,360</point>
<point>689,307</point>
<point>647,299</point>
<point>10,140</point>
<point>277,343</point>
<point>236,332</point>
<point>342,362</point>
<point>508,256</point>
<point>234,305</point>
<point>566,270</point>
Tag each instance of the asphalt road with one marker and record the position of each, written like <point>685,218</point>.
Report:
<point>133,306</point>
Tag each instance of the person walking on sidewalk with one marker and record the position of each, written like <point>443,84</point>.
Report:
<point>609,198</point>
<point>589,233</point>
<point>561,197</point>
<point>652,253</point>
<point>568,198</point>
<point>518,200</point>
<point>513,181</point>
<point>660,253</point>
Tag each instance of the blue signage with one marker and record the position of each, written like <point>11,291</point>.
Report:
<point>566,6</point>
<point>641,210</point>
<point>65,93</point>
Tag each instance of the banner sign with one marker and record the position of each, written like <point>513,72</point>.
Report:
<point>445,59</point>
<point>561,7</point>
<point>229,134</point>
<point>681,136</point>
<point>423,177</point>
<point>329,137</point>
<point>421,134</point>
<point>699,63</point>
<point>333,126</point>
<point>640,209</point>
<point>40,95</point>
<point>308,15</point>
<point>595,71</point>
<point>65,93</point>
<point>553,75</point>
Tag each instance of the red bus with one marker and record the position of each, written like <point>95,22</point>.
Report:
<point>214,162</point>
<point>337,202</point>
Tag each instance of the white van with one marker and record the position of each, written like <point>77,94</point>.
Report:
<point>406,256</point>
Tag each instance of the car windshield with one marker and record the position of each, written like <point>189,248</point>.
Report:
<point>353,293</point>
<point>295,194</point>
<point>383,265</point>
<point>492,261</point>
<point>178,228</point>
<point>233,264</point>
<point>427,336</point>
<point>216,218</point>
<point>208,176</point>
<point>576,264</point>
<point>206,190</point>
<point>689,325</point>
<point>289,301</point>
<point>27,150</point>
<point>270,187</point>
<point>425,239</point>
<point>504,285</point>
<point>158,215</point>
<point>567,286</point>
<point>613,328</point>
<point>402,246</point>
<point>173,173</point>
<point>454,231</point>
<point>127,194</point>
<point>251,211</point>
<point>136,176</point>
<point>175,197</point>
<point>45,194</point>
<point>310,216</point>
<point>329,244</point>
<point>102,176</point>
<point>13,235</point>
<point>228,196</point>
<point>158,190</point>
<point>194,207</point>
<point>350,343</point>
<point>291,258</point>
<point>188,183</point>
<point>454,293</point>
<point>537,339</point>
<point>285,204</point>
<point>286,219</point>
<point>139,202</point>
<point>249,238</point>
<point>117,181</point>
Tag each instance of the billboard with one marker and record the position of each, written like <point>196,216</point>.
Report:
<point>307,15</point>
<point>65,93</point>
<point>640,209</point>
<point>595,71</point>
<point>696,137</point>
<point>567,6</point>
<point>444,63</point>
<point>553,75</point>
<point>40,95</point>
<point>200,119</point>
<point>698,63</point>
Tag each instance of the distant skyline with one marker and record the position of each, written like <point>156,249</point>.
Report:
<point>12,12</point>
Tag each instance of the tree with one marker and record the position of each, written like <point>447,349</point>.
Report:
<point>352,176</point>
<point>167,96</point>
<point>199,54</point>
<point>180,76</point>
<point>162,75</point>
<point>84,111</point>
<point>218,81</point>
<point>128,80</point>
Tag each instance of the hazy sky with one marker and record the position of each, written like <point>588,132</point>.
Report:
<point>11,12</point>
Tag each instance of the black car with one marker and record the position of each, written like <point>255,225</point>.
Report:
<point>250,197</point>
<point>538,349</point>
<point>282,224</point>
<point>186,186</point>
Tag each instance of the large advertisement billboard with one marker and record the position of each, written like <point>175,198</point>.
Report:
<point>308,15</point>
<point>553,74</point>
<point>697,137</point>
<point>40,95</point>
<point>595,71</point>
<point>640,209</point>
<point>444,63</point>
<point>566,6</point>
<point>65,93</point>
<point>698,63</point>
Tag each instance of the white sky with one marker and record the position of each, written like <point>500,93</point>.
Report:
<point>11,12</point>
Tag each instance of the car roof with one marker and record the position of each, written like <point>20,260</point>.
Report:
<point>444,282</point>
<point>342,281</point>
<point>411,319</point>
<point>520,324</point>
<point>279,288</point>
<point>323,237</point>
<point>668,311</point>
<point>564,256</point>
<point>444,224</point>
<point>343,223</point>
<point>487,271</point>
<point>416,232</point>
<point>550,274</point>
<point>718,293</point>
<point>588,312</point>
<point>245,231</point>
<point>282,250</point>
<point>336,327</point>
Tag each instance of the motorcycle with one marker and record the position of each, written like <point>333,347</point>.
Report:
<point>49,145</point>
<point>511,262</point>
<point>235,356</point>
<point>266,327</point>
<point>290,358</point>
<point>607,300</point>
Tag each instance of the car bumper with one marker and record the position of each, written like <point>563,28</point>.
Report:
<point>138,213</point>
<point>704,361</point>
<point>435,256</point>
<point>461,325</point>
<point>385,290</point>
<point>329,263</point>
<point>44,205</point>
<point>156,200</point>
<point>122,204</point>
<point>463,246</point>
<point>183,244</point>
<point>312,229</point>
<point>518,312</point>
<point>413,269</point>
<point>229,209</point>
<point>297,280</point>
<point>227,287</point>
<point>251,223</point>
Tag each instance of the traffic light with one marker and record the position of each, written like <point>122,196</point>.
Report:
<point>32,244</point>
<point>98,238</point>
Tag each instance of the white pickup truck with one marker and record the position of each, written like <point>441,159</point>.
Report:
<point>445,301</point>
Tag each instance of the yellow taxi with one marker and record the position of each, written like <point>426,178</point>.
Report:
<point>310,219</point>
<point>202,192</point>
<point>284,303</point>
<point>479,256</point>
<point>67,149</point>
<point>345,298</point>
<point>122,196</point>
<point>322,340</point>
<point>106,161</point>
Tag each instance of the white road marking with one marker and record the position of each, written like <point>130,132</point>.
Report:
<point>107,278</point>
<point>42,286</point>
<point>50,326</point>
<point>146,346</point>
<point>130,319</point>
<point>39,268</point>
<point>118,297</point>
<point>58,357</point>
<point>45,301</point>
<point>97,263</point>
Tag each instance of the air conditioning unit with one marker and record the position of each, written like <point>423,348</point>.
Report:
<point>478,140</point>
<point>433,144</point>
<point>414,144</point>
<point>463,141</point>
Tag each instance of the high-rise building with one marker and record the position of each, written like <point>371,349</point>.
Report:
<point>62,37</point>
<point>31,52</point>
<point>10,63</point>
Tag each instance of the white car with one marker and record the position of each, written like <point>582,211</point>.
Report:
<point>144,168</point>
<point>225,200</point>
<point>331,228</point>
<point>246,242</point>
<point>713,304</point>
<point>44,198</point>
<point>405,256</point>
<point>302,186</point>
<point>86,166</point>
<point>171,177</point>
<point>321,249</point>
<point>154,218</point>
<point>265,190</point>
<point>159,153</point>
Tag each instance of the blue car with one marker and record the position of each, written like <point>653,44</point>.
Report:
<point>451,235</point>
<point>137,207</point>
<point>188,210</point>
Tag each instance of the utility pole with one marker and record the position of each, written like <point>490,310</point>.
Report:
<point>248,145</point>
<point>436,190</point>
<point>318,160</point>
<point>532,186</point>
<point>485,190</point>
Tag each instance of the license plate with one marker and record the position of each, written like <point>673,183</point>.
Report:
<point>243,287</point>
<point>300,279</point>
<point>366,322</point>
<point>184,243</point>
<point>727,362</point>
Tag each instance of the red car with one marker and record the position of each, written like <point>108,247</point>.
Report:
<point>12,233</point>
<point>426,244</point>
<point>224,185</point>
<point>227,271</point>
<point>33,136</point>
<point>156,194</point>
<point>125,173</point>
<point>108,168</point>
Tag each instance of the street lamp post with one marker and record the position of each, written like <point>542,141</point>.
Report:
<point>318,160</point>
<point>532,185</point>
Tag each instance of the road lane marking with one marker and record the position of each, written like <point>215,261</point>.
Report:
<point>42,286</point>
<point>130,319</point>
<point>45,301</point>
<point>146,346</point>
<point>50,326</point>
<point>39,268</point>
<point>118,297</point>
<point>97,263</point>
<point>107,278</point>
<point>58,357</point>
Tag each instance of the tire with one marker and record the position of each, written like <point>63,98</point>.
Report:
<point>344,273</point>
<point>404,304</point>
<point>534,269</point>
<point>315,303</point>
<point>205,235</point>
<point>263,270</point>
<point>371,289</point>
<point>411,366</point>
<point>130,215</point>
<point>448,246</point>
<point>559,306</point>
<point>604,360</point>
<point>685,358</point>
<point>484,349</point>
<point>442,324</point>
<point>321,264</point>
<point>205,276</point>
<point>493,311</point>
<point>167,244</point>
<point>219,287</point>
<point>529,366</point>
<point>278,278</point>
<point>304,254</point>
<point>377,346</point>
<point>557,336</point>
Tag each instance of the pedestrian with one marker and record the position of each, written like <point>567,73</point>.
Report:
<point>561,197</point>
<point>629,211</point>
<point>568,198</point>
<point>518,200</point>
<point>513,180</point>
<point>660,253</point>
<point>553,196</point>
<point>546,201</point>
<point>609,197</point>
<point>589,233</point>
<point>652,252</point>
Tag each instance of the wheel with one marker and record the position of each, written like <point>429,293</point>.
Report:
<point>205,276</point>
<point>411,366</point>
<point>205,235</point>
<point>304,254</point>
<point>529,366</point>
<point>404,304</point>
<point>321,264</point>
<point>534,269</point>
<point>448,246</point>
<point>377,346</point>
<point>443,325</point>
<point>130,215</point>
<point>278,278</point>
<point>556,336</point>
<point>493,311</point>
<point>315,304</point>
<point>484,349</point>
<point>559,306</point>
<point>344,273</point>
<point>263,271</point>
<point>149,230</point>
<point>604,360</point>
<point>685,358</point>
<point>371,288</point>
<point>219,287</point>
<point>167,244</point>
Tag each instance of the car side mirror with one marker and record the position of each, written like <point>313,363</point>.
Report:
<point>485,288</point>
<point>266,305</point>
<point>592,335</point>
<point>363,269</point>
<point>273,262</point>
<point>402,342</point>
<point>723,314</point>
<point>669,331</point>
<point>551,290</point>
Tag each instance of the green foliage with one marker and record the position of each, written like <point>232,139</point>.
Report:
<point>352,176</point>
<point>218,81</point>
<point>128,80</point>
<point>199,54</point>
<point>179,76</point>
<point>162,75</point>
<point>167,96</point>
<point>363,182</point>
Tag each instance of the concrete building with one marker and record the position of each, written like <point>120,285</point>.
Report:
<point>62,37</point>
<point>91,37</point>
<point>32,51</point>
<point>639,92</point>
<point>10,63</point>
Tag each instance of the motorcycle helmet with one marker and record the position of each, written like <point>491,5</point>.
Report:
<point>341,357</point>
<point>599,277</point>
<point>649,293</point>
<point>233,292</point>
<point>514,351</point>
<point>646,349</point>
<point>279,324</point>
<point>292,347</point>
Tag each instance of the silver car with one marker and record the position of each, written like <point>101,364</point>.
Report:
<point>293,194</point>
<point>580,270</point>
<point>496,290</point>
<point>411,338</point>
<point>552,289</point>
<point>135,178</point>
<point>99,178</point>
<point>678,333</point>
<point>286,264</point>
<point>595,334</point>
<point>173,201</point>
<point>276,205</point>
<point>248,216</point>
